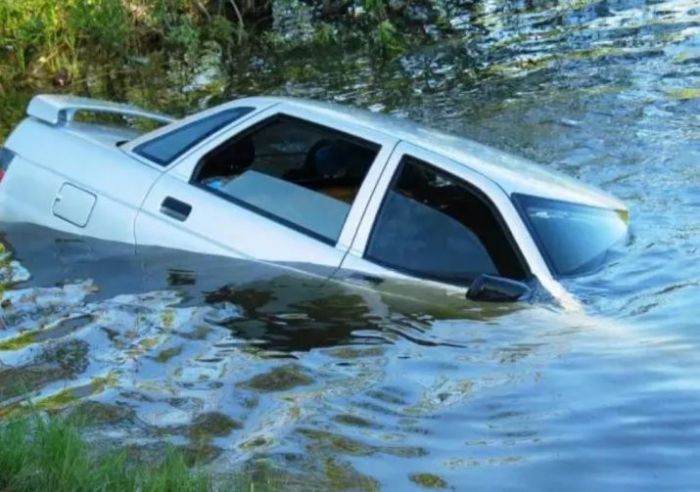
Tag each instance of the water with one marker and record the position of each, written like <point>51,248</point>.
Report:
<point>346,389</point>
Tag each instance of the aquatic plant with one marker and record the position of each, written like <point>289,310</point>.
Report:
<point>281,378</point>
<point>49,454</point>
<point>38,454</point>
<point>428,480</point>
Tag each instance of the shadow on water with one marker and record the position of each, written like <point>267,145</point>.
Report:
<point>227,357</point>
<point>279,307</point>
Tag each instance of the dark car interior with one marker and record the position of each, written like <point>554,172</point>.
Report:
<point>433,225</point>
<point>316,158</point>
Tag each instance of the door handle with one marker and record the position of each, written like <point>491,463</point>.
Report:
<point>175,209</point>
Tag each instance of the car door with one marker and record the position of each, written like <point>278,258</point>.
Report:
<point>258,192</point>
<point>437,222</point>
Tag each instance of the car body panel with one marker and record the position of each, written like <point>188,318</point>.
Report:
<point>74,204</point>
<point>49,158</point>
<point>55,109</point>
<point>253,236</point>
<point>514,174</point>
<point>356,262</point>
<point>88,179</point>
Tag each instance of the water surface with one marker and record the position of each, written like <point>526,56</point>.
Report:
<point>347,389</point>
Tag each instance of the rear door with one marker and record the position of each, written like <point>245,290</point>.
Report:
<point>74,178</point>
<point>289,186</point>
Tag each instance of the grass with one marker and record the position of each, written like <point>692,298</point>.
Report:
<point>49,36</point>
<point>49,454</point>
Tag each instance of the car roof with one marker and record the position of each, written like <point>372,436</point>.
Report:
<point>512,173</point>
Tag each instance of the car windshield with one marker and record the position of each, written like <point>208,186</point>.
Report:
<point>575,239</point>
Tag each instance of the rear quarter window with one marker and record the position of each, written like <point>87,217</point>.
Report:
<point>165,148</point>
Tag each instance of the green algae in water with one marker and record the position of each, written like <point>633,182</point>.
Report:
<point>405,451</point>
<point>199,332</point>
<point>357,353</point>
<point>198,454</point>
<point>69,396</point>
<point>149,343</point>
<point>267,478</point>
<point>281,378</point>
<point>320,473</point>
<point>250,402</point>
<point>685,94</point>
<point>72,355</point>
<point>353,421</point>
<point>342,476</point>
<point>337,442</point>
<point>168,319</point>
<point>18,342</point>
<point>167,354</point>
<point>22,380</point>
<point>55,331</point>
<point>212,424</point>
<point>428,480</point>
<point>257,442</point>
<point>93,413</point>
<point>59,400</point>
<point>98,385</point>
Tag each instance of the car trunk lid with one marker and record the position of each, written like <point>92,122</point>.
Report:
<point>109,136</point>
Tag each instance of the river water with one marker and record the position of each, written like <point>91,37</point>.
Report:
<point>336,388</point>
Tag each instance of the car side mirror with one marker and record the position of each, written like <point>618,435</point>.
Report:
<point>491,288</point>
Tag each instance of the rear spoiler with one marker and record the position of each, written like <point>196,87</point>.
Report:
<point>56,110</point>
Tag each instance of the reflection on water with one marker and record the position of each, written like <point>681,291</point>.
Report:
<point>240,358</point>
<point>347,388</point>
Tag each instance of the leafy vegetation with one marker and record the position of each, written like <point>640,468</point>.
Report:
<point>39,454</point>
<point>50,455</point>
<point>428,480</point>
<point>49,35</point>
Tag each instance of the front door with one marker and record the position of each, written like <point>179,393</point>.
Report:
<point>433,221</point>
<point>284,189</point>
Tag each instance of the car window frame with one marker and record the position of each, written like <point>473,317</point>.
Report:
<point>130,147</point>
<point>504,210</point>
<point>283,117</point>
<point>138,149</point>
<point>188,166</point>
<point>475,191</point>
<point>521,201</point>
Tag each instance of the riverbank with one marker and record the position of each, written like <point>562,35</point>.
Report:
<point>38,453</point>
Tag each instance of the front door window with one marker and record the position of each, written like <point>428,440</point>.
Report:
<point>300,174</point>
<point>432,225</point>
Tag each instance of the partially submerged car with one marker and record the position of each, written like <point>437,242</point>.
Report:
<point>326,189</point>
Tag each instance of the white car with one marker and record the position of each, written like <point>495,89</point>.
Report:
<point>325,189</point>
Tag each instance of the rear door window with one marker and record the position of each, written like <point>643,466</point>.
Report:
<point>433,225</point>
<point>165,148</point>
<point>302,175</point>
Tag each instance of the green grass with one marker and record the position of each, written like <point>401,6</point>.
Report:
<point>49,454</point>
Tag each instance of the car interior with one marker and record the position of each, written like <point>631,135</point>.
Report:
<point>273,167</point>
<point>432,225</point>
